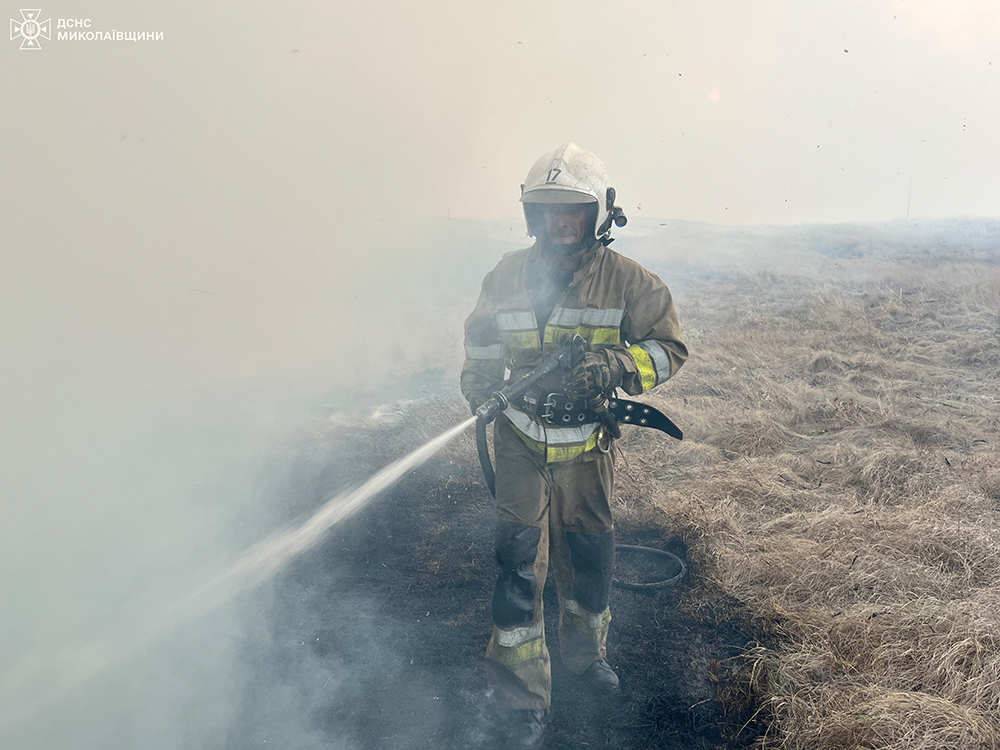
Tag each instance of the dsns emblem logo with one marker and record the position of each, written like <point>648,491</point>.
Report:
<point>30,29</point>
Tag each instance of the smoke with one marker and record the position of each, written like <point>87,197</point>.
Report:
<point>130,487</point>
<point>213,240</point>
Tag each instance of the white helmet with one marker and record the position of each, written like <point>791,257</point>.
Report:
<point>570,175</point>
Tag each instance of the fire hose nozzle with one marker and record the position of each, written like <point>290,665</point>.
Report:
<point>495,404</point>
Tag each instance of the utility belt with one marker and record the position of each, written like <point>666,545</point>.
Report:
<point>557,410</point>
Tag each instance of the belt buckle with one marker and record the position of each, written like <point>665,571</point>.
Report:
<point>550,404</point>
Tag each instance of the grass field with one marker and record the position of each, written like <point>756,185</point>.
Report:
<point>841,479</point>
<point>837,496</point>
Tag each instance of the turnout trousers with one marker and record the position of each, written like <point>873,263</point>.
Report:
<point>559,511</point>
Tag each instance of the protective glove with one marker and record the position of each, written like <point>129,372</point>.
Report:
<point>590,381</point>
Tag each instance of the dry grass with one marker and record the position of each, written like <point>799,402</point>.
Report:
<point>840,477</point>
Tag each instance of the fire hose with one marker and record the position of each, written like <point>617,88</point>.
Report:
<point>621,411</point>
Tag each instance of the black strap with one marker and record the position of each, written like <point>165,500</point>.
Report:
<point>557,410</point>
<point>643,415</point>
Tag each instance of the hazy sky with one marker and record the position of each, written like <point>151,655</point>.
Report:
<point>734,111</point>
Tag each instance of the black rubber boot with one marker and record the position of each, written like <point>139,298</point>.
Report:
<point>601,678</point>
<point>526,730</point>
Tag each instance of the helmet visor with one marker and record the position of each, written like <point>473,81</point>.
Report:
<point>545,194</point>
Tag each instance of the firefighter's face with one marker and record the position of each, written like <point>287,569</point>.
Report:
<point>565,222</point>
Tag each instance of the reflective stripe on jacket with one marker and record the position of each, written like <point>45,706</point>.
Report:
<point>611,301</point>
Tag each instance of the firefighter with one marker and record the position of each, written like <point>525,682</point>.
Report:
<point>554,463</point>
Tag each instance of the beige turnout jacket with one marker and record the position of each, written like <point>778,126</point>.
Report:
<point>611,301</point>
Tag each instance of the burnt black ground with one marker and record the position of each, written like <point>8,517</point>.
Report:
<point>376,640</point>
